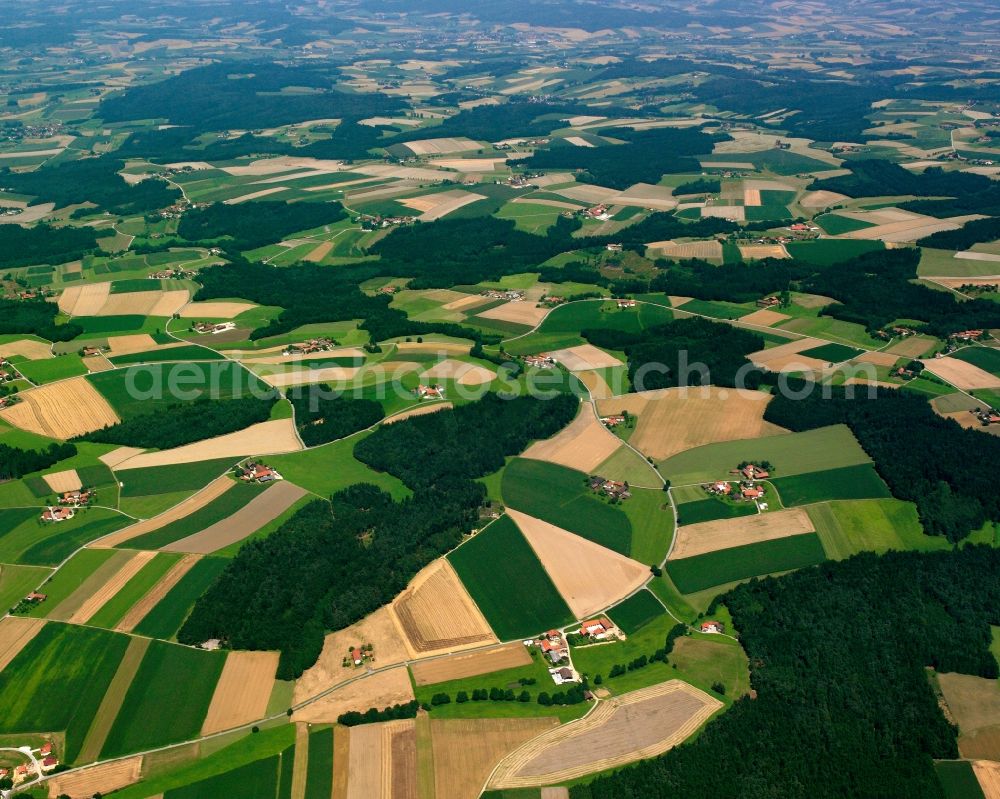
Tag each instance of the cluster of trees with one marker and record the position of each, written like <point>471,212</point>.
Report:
<point>876,178</point>
<point>645,158</point>
<point>94,180</point>
<point>330,565</point>
<point>43,244</point>
<point>37,317</point>
<point>970,233</point>
<point>321,415</point>
<point>255,224</point>
<point>354,717</point>
<point>838,657</point>
<point>659,656</point>
<point>16,462</point>
<point>178,423</point>
<point>943,468</point>
<point>699,186</point>
<point>685,352</point>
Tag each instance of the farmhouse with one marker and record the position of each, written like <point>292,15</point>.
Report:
<point>968,335</point>
<point>541,361</point>
<point>564,675</point>
<point>34,597</point>
<point>599,629</point>
<point>713,627</point>
<point>58,514</point>
<point>509,295</point>
<point>599,212</point>
<point>76,498</point>
<point>46,749</point>
<point>610,488</point>
<point>259,473</point>
<point>614,420</point>
<point>623,304</point>
<point>212,327</point>
<point>768,302</point>
<point>49,763</point>
<point>721,488</point>
<point>310,346</point>
<point>753,493</point>
<point>752,472</point>
<point>357,656</point>
<point>429,392</point>
<point>616,248</point>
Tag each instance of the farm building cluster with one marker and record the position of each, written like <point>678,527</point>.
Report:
<point>509,295</point>
<point>429,392</point>
<point>42,759</point>
<point>308,347</point>
<point>747,487</point>
<point>555,649</point>
<point>612,489</point>
<point>253,472</point>
<point>540,361</point>
<point>212,327</point>
<point>358,656</point>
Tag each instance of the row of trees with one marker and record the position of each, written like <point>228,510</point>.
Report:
<point>16,462</point>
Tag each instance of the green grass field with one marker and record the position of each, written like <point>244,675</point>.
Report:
<point>16,582</point>
<point>835,224</point>
<point>185,353</point>
<point>70,577</point>
<point>167,616</point>
<point>751,560</point>
<point>715,310</point>
<point>57,682</point>
<point>711,508</point>
<point>870,525</point>
<point>506,580</point>
<point>652,524</point>
<point>848,482</point>
<point>319,774</point>
<point>134,590</point>
<point>154,480</point>
<point>255,780</point>
<point>31,542</point>
<point>232,500</point>
<point>836,330</point>
<point>825,252</point>
<point>167,701</point>
<point>834,353</point>
<point>985,358</point>
<point>958,780</point>
<point>636,612</point>
<point>560,496</point>
<point>796,453</point>
<point>52,369</point>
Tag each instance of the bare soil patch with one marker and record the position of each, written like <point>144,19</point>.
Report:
<point>242,691</point>
<point>786,357</point>
<point>960,374</point>
<point>751,197</point>
<point>144,303</point>
<point>319,253</point>
<point>764,317</point>
<point>596,384</point>
<point>114,584</point>
<point>380,689</point>
<point>821,199</point>
<point>637,725</point>
<point>758,252</point>
<point>301,377</point>
<point>912,347</point>
<point>583,444</point>
<point>436,613</point>
<point>975,705</point>
<point>128,345</point>
<point>61,410</point>
<point>878,358</point>
<point>378,629</point>
<point>471,664</point>
<point>443,146</point>
<point>261,510</point>
<point>697,539</point>
<point>588,576</point>
<point>372,774</point>
<point>102,779</point>
<point>585,356</point>
<point>16,633</point>
<point>522,312</point>
<point>734,213</point>
<point>152,598</point>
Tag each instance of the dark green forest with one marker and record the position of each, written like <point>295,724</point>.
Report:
<point>322,416</point>
<point>37,317</point>
<point>43,244</point>
<point>838,658</point>
<point>16,462</point>
<point>252,225</point>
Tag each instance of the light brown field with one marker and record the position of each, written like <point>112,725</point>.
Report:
<point>909,230</point>
<point>466,302</point>
<point>195,502</point>
<point>588,576</point>
<point>242,691</point>
<point>751,197</point>
<point>758,252</point>
<point>467,374</point>
<point>960,374</point>
<point>151,599</point>
<point>273,355</point>
<point>97,363</point>
<point>112,700</point>
<point>254,195</point>
<point>975,705</point>
<point>697,539</point>
<point>692,249</point>
<point>578,141</point>
<point>300,761</point>
<point>471,664</point>
<point>319,253</point>
<point>92,584</point>
<point>265,438</point>
<point>582,444</point>
<point>436,614</point>
<point>637,725</point>
<point>127,345</point>
<point>433,347</point>
<point>585,356</point>
<point>378,629</point>
<point>878,358</point>
<point>16,633</point>
<point>596,384</point>
<point>216,310</point>
<point>911,347</point>
<point>588,194</point>
<point>646,195</point>
<point>114,584</point>
<point>467,750</point>
<point>988,774</point>
<point>61,410</point>
<point>144,303</point>
<point>59,482</point>
<point>258,512</point>
<point>381,689</point>
<point>302,377</point>
<point>523,312</point>
<point>764,317</point>
<point>418,410</point>
<point>676,419</point>
<point>821,199</point>
<point>373,772</point>
<point>26,348</point>
<point>100,779</point>
<point>734,213</point>
<point>84,300</point>
<point>442,146</point>
<point>785,357</point>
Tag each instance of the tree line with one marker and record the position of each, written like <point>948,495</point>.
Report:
<point>36,317</point>
<point>16,462</point>
<point>320,416</point>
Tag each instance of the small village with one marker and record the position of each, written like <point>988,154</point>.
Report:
<point>321,344</point>
<point>68,503</point>
<point>42,760</point>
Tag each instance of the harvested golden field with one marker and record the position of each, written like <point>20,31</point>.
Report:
<point>381,689</point>
<point>521,312</point>
<point>697,539</point>
<point>216,310</point>
<point>443,146</point>
<point>321,251</point>
<point>584,356</point>
<point>960,374</point>
<point>988,774</point>
<point>97,363</point>
<point>436,613</point>
<point>112,586</point>
<point>118,456</point>
<point>303,377</point>
<point>373,772</point>
<point>273,356</point>
<point>758,252</point>
<point>145,303</point>
<point>975,705</point>
<point>751,197</point>
<point>84,300</point>
<point>466,302</point>
<point>60,482</point>
<point>646,195</point>
<point>261,510</point>
<point>467,750</point>
<point>254,195</point>
<point>265,438</point>
<point>16,633</point>
<point>821,199</point>
<point>764,317</point>
<point>471,664</point>
<point>63,410</point>
<point>127,345</point>
<point>378,629</point>
<point>596,384</point>
<point>637,725</point>
<point>878,358</point>
<point>676,419</point>
<point>26,348</point>
<point>100,779</point>
<point>467,374</point>
<point>583,444</point>
<point>786,357</point>
<point>691,249</point>
<point>734,213</point>
<point>195,502</point>
<point>588,576</point>
<point>432,347</point>
<point>140,609</point>
<point>341,762</point>
<point>242,691</point>
<point>911,347</point>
